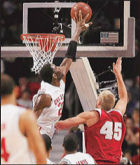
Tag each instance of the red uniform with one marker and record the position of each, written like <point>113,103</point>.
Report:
<point>104,139</point>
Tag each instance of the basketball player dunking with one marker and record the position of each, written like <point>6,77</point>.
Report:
<point>21,142</point>
<point>104,126</point>
<point>48,102</point>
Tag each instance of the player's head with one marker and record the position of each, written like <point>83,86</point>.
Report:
<point>7,85</point>
<point>50,72</point>
<point>48,143</point>
<point>70,143</point>
<point>106,100</point>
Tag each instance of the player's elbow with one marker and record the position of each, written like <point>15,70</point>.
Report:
<point>42,102</point>
<point>41,160</point>
<point>124,97</point>
<point>41,157</point>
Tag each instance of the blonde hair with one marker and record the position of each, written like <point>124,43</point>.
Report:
<point>107,100</point>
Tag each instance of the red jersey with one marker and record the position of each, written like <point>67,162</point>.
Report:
<point>104,139</point>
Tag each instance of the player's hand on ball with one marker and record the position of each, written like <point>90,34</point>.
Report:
<point>80,22</point>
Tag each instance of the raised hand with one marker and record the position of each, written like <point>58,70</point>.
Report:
<point>117,68</point>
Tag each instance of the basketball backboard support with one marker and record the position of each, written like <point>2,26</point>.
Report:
<point>86,86</point>
<point>126,50</point>
<point>85,83</point>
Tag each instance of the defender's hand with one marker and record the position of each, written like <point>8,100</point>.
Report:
<point>117,68</point>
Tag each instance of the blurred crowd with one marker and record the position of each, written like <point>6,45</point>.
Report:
<point>131,144</point>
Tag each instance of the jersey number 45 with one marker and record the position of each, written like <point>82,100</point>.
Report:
<point>107,130</point>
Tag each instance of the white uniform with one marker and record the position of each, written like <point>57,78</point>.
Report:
<point>49,161</point>
<point>78,158</point>
<point>14,146</point>
<point>51,115</point>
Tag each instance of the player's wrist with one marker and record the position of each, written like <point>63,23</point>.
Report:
<point>76,36</point>
<point>118,74</point>
<point>71,51</point>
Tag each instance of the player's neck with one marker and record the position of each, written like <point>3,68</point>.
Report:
<point>66,152</point>
<point>98,106</point>
<point>8,100</point>
<point>48,155</point>
<point>56,83</point>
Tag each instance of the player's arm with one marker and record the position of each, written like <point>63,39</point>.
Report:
<point>41,102</point>
<point>28,127</point>
<point>123,98</point>
<point>72,48</point>
<point>83,118</point>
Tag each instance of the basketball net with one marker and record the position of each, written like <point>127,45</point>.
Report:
<point>42,47</point>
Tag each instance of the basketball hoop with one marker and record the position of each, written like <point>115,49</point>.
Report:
<point>42,47</point>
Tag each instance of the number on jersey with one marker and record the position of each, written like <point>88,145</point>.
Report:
<point>107,130</point>
<point>4,153</point>
<point>60,105</point>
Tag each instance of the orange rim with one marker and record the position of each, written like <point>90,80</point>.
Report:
<point>43,35</point>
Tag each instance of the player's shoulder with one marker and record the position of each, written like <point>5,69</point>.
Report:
<point>66,160</point>
<point>116,112</point>
<point>13,108</point>
<point>62,84</point>
<point>28,114</point>
<point>98,111</point>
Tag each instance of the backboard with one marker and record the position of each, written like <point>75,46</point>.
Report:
<point>116,38</point>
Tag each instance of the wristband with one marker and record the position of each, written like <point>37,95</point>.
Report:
<point>71,51</point>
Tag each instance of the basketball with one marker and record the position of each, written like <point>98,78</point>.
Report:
<point>85,9</point>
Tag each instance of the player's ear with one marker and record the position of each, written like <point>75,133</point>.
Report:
<point>98,102</point>
<point>54,76</point>
<point>16,91</point>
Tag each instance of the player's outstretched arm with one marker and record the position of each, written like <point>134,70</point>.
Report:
<point>123,98</point>
<point>71,51</point>
<point>88,118</point>
<point>28,127</point>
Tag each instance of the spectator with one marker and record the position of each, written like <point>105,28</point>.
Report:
<point>136,158</point>
<point>23,82</point>
<point>130,136</point>
<point>135,117</point>
<point>33,86</point>
<point>127,156</point>
<point>25,101</point>
<point>125,160</point>
<point>131,105</point>
<point>134,90</point>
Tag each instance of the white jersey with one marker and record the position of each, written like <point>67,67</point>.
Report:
<point>14,146</point>
<point>49,161</point>
<point>78,158</point>
<point>52,114</point>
